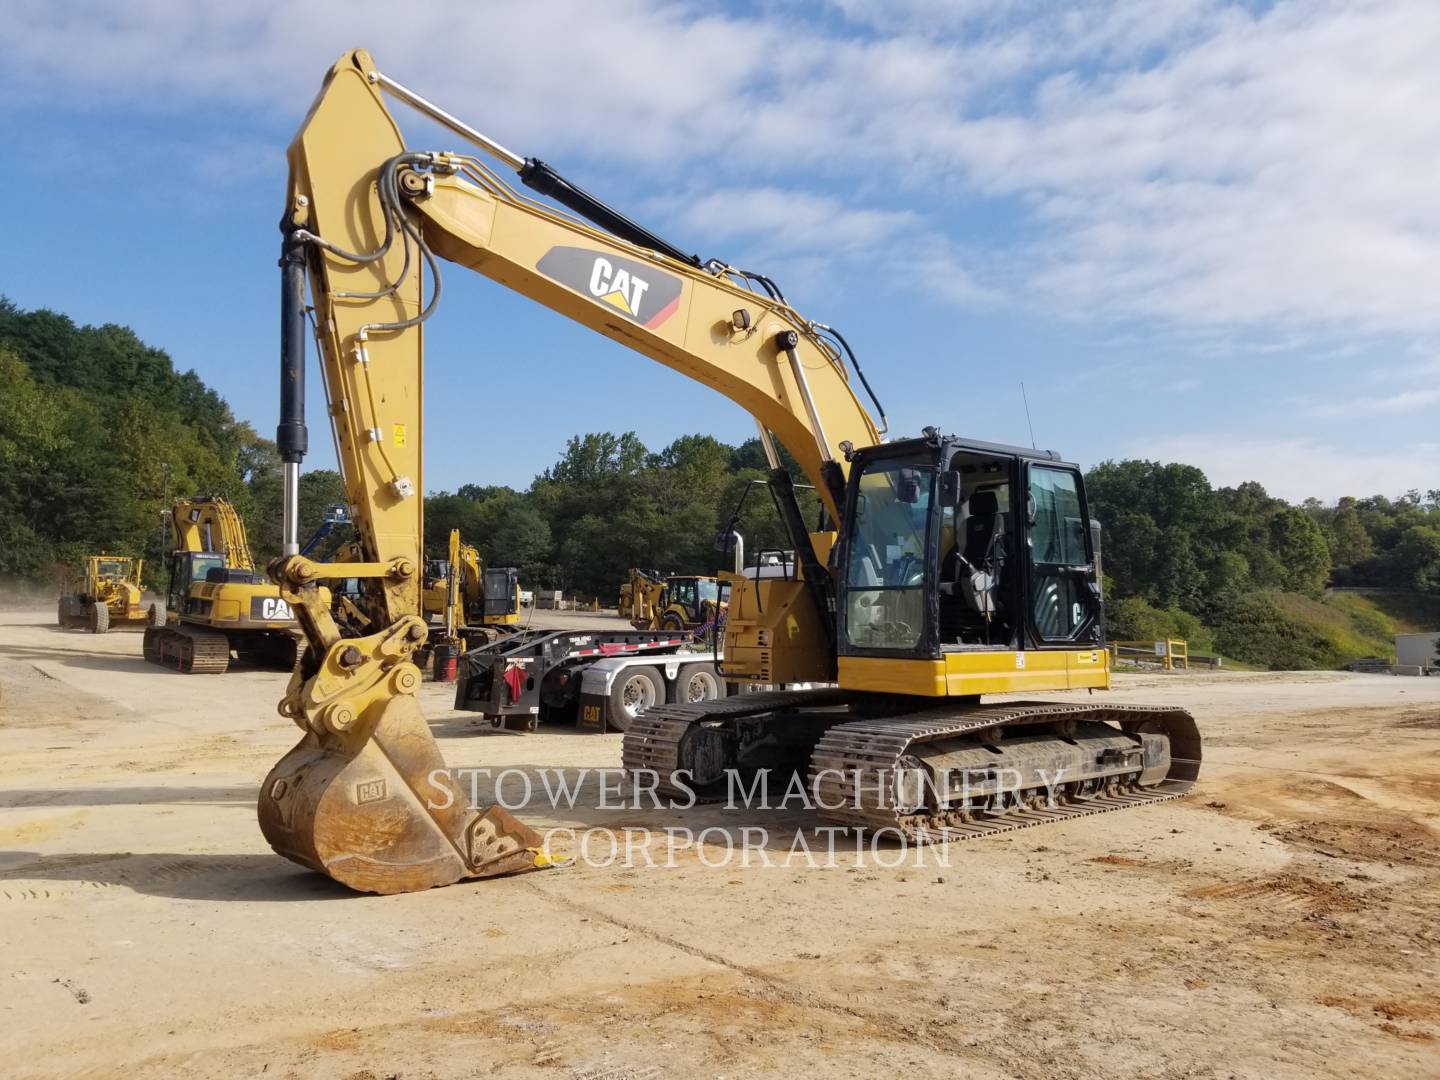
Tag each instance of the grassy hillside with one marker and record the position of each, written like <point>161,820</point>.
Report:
<point>1293,630</point>
<point>1403,612</point>
<point>1272,629</point>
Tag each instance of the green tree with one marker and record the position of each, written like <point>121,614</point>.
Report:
<point>1349,543</point>
<point>1299,546</point>
<point>1418,558</point>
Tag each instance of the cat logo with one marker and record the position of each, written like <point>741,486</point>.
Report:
<point>639,291</point>
<point>618,288</point>
<point>270,609</point>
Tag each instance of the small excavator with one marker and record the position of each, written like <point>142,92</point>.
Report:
<point>943,568</point>
<point>217,603</point>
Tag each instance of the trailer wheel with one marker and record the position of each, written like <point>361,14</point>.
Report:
<point>636,690</point>
<point>99,618</point>
<point>697,682</point>
<point>157,614</point>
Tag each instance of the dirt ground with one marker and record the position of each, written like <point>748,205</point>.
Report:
<point>1281,922</point>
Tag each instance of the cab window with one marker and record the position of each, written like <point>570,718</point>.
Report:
<point>1063,603</point>
<point>888,542</point>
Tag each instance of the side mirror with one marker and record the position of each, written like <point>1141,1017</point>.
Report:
<point>949,489</point>
<point>1030,509</point>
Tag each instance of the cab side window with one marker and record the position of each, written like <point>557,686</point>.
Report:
<point>1061,596</point>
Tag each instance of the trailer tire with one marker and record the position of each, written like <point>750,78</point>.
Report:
<point>157,614</point>
<point>697,682</point>
<point>99,618</point>
<point>636,689</point>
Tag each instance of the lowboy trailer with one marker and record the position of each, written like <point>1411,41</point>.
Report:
<point>536,676</point>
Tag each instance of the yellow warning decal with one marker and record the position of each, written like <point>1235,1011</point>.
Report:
<point>399,434</point>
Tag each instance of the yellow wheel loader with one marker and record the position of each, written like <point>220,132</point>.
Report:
<point>944,568</point>
<point>217,605</point>
<point>110,595</point>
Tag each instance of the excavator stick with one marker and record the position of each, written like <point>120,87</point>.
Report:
<point>364,797</point>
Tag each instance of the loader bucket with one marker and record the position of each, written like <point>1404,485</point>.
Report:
<point>382,815</point>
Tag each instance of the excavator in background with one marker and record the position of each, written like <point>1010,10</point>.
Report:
<point>676,602</point>
<point>476,604</point>
<point>110,595</point>
<point>942,569</point>
<point>216,603</point>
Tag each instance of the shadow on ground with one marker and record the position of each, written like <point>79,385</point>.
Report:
<point>126,796</point>
<point>78,656</point>
<point>249,878</point>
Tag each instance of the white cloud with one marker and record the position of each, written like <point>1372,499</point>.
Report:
<point>1198,162</point>
<point>802,234</point>
<point>1385,404</point>
<point>1296,468</point>
<point>787,221</point>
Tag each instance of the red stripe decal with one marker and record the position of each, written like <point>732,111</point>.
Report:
<point>663,314</point>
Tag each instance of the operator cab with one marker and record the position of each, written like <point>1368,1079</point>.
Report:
<point>959,545</point>
<point>502,591</point>
<point>188,567</point>
<point>436,571</point>
<point>116,569</point>
<point>692,595</point>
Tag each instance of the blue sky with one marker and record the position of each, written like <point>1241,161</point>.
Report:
<point>1195,230</point>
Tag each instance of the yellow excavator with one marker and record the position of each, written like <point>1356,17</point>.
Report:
<point>943,568</point>
<point>110,595</point>
<point>216,603</point>
<point>475,604</point>
<point>655,601</point>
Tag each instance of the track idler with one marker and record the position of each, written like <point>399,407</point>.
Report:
<point>365,797</point>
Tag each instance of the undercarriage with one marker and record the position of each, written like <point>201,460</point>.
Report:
<point>936,772</point>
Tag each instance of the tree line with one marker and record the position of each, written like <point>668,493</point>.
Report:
<point>99,432</point>
<point>1231,568</point>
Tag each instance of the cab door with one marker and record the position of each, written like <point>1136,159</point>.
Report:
<point>1064,594</point>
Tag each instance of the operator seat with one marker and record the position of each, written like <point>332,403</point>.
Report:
<point>980,528</point>
<point>971,576</point>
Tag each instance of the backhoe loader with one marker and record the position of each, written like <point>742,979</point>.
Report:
<point>676,602</point>
<point>943,568</point>
<point>109,595</point>
<point>216,603</point>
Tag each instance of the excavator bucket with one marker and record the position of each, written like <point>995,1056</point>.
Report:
<point>381,814</point>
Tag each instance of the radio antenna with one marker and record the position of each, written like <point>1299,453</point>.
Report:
<point>1026,398</point>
